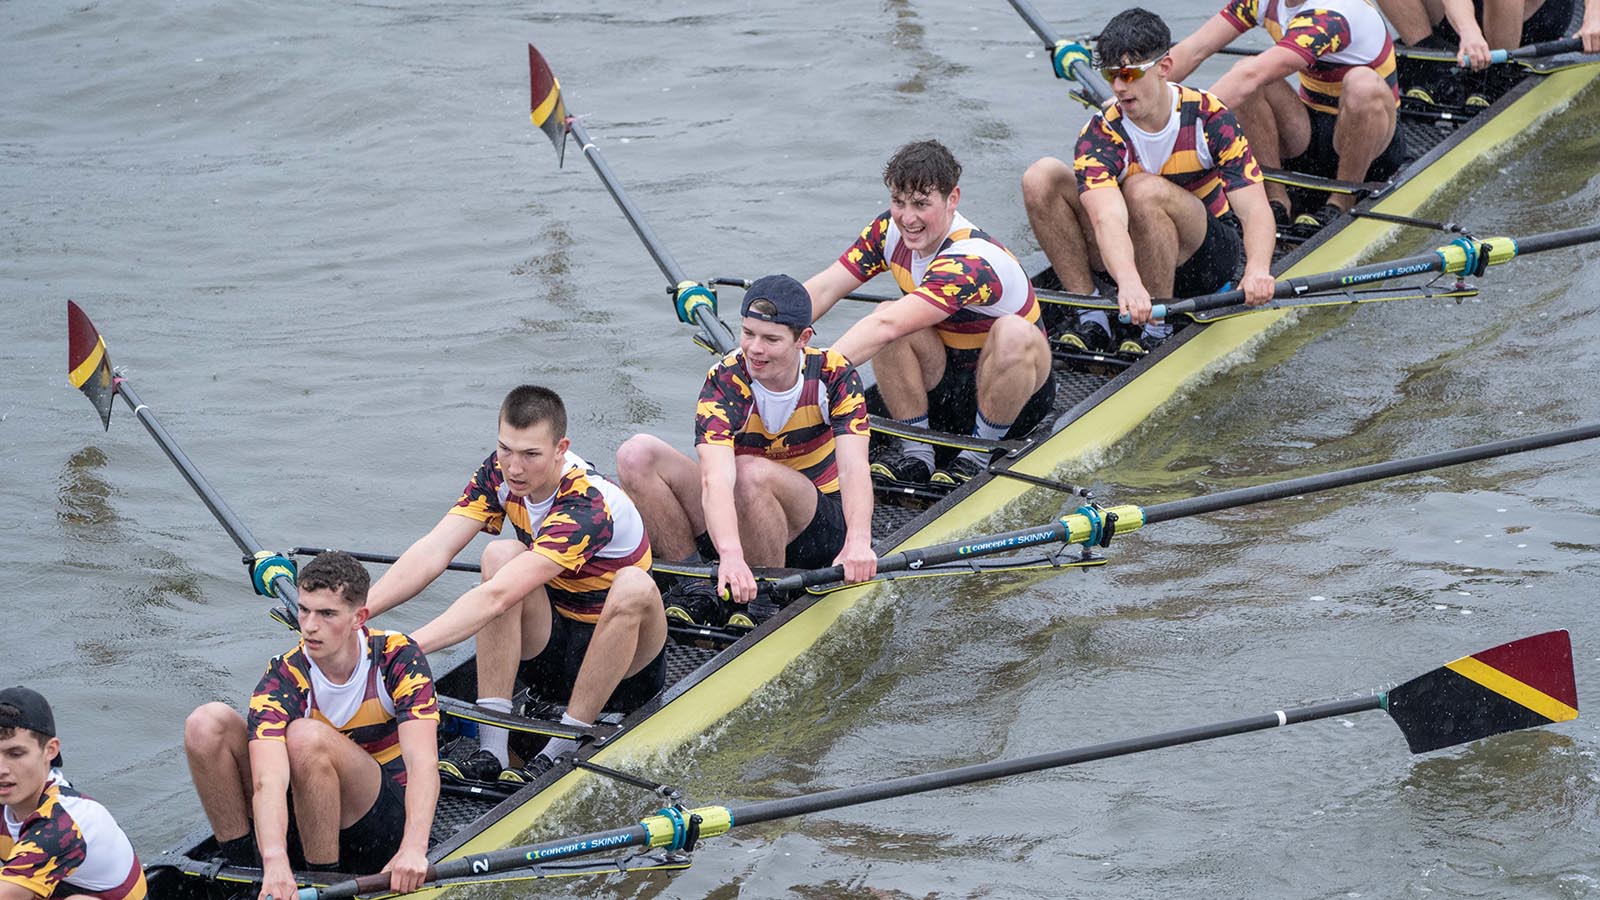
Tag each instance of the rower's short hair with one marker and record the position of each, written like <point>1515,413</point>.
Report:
<point>529,404</point>
<point>922,167</point>
<point>339,572</point>
<point>7,711</point>
<point>1132,36</point>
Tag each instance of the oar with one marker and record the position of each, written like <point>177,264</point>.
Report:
<point>1526,683</point>
<point>89,370</point>
<point>1464,255</point>
<point>1521,54</point>
<point>694,302</point>
<point>1069,59</point>
<point>1095,526</point>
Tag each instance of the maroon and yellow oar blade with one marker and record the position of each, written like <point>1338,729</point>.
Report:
<point>549,113</point>
<point>1523,684</point>
<point>88,364</point>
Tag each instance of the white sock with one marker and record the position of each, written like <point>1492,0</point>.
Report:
<point>987,430</point>
<point>558,746</point>
<point>492,737</point>
<point>917,449</point>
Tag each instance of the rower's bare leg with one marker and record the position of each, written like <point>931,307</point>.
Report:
<point>1364,128</point>
<point>665,485</point>
<point>1502,22</point>
<point>906,369</point>
<point>775,503</point>
<point>1050,194</point>
<point>1413,20</point>
<point>1167,225</point>
<point>1014,363</point>
<point>631,631</point>
<point>216,740</point>
<point>334,781</point>
<point>500,648</point>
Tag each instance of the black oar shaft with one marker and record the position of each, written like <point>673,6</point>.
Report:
<point>1053,533</point>
<point>1094,87</point>
<point>716,333</point>
<point>1194,506</point>
<point>753,813</point>
<point>225,516</point>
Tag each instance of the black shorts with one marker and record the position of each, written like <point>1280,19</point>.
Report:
<point>1215,262</point>
<point>953,402</point>
<point>1320,160</point>
<point>819,544</point>
<point>368,844</point>
<point>554,671</point>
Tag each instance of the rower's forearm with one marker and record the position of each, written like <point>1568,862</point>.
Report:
<point>416,568</point>
<point>465,617</point>
<point>269,807</point>
<point>864,339</point>
<point>422,797</point>
<point>722,520</point>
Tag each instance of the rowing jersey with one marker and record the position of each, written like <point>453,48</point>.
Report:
<point>589,527</point>
<point>971,277</point>
<point>391,684</point>
<point>1332,36</point>
<point>825,402</point>
<point>69,844</point>
<point>1201,149</point>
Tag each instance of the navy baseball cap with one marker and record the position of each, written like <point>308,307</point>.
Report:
<point>33,713</point>
<point>788,297</point>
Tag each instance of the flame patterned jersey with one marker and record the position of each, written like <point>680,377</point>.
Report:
<point>69,844</point>
<point>1208,154</point>
<point>831,403</point>
<point>971,277</point>
<point>589,527</point>
<point>1332,36</point>
<point>391,684</point>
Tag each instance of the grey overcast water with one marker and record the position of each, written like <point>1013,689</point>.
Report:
<point>323,240</point>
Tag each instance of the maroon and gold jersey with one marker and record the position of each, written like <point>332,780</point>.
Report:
<point>831,403</point>
<point>391,684</point>
<point>971,277</point>
<point>589,527</point>
<point>1208,154</point>
<point>69,844</point>
<point>1332,36</point>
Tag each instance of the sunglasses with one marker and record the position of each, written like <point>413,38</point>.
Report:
<point>1129,73</point>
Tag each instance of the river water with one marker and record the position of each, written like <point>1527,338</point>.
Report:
<point>322,240</point>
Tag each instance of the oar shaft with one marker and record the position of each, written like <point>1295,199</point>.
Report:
<point>225,516</point>
<point>753,813</point>
<point>1084,74</point>
<point>1194,506</point>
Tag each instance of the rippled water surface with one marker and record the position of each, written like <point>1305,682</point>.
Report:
<point>322,240</point>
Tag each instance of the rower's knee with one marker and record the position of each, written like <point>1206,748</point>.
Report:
<point>1046,180</point>
<point>755,478</point>
<point>309,740</point>
<point>496,554</point>
<point>633,594</point>
<point>210,727</point>
<point>639,456</point>
<point>1364,88</point>
<point>1012,339</point>
<point>1142,192</point>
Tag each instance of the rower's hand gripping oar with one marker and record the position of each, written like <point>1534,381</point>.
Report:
<point>1092,525</point>
<point>1462,256</point>
<point>695,303</point>
<point>1526,683</point>
<point>89,370</point>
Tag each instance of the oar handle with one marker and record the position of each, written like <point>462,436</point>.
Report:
<point>1541,49</point>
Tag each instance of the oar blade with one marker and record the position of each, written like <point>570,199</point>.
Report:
<point>1524,684</point>
<point>88,364</point>
<point>548,111</point>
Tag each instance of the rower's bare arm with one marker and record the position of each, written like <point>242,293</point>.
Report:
<point>422,562</point>
<point>829,287</point>
<point>1252,73</point>
<point>1107,210</point>
<point>526,573</point>
<point>888,322</point>
<point>1473,48</point>
<point>10,890</point>
<point>269,803</point>
<point>1589,31</point>
<point>719,472</point>
<point>1189,53</point>
<point>1260,237</point>
<point>855,493</point>
<point>419,747</point>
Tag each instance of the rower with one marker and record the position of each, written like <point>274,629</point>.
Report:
<point>782,432</point>
<point>568,604</point>
<point>348,720</point>
<point>1343,122</point>
<point>57,842</point>
<point>963,350</point>
<point>1474,28</point>
<point>1151,197</point>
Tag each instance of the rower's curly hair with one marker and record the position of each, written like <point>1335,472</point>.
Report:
<point>922,167</point>
<point>339,572</point>
<point>1132,36</point>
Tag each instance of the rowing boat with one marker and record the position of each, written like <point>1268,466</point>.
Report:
<point>712,674</point>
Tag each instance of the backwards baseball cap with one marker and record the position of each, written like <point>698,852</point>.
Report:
<point>790,303</point>
<point>32,712</point>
